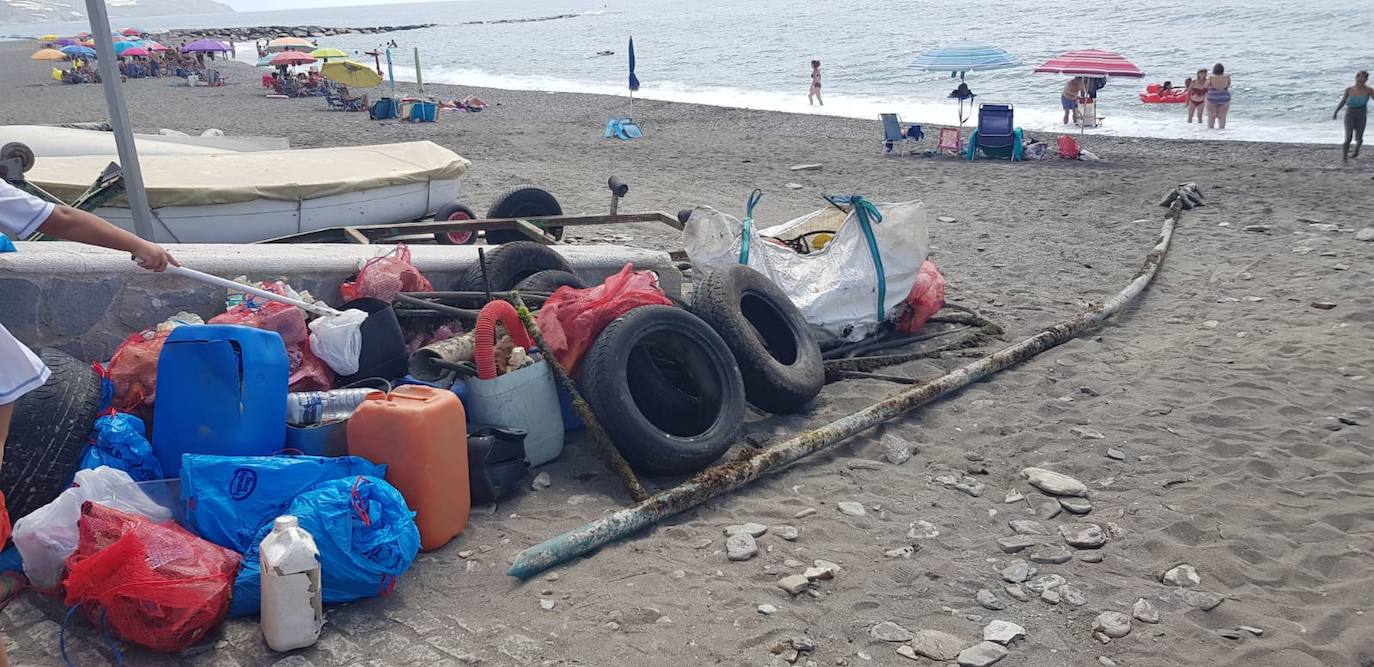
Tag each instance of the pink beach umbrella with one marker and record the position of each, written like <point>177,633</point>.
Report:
<point>289,58</point>
<point>1091,64</point>
<point>135,51</point>
<point>154,46</point>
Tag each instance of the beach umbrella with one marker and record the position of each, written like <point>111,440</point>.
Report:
<point>205,46</point>
<point>959,59</point>
<point>634,80</point>
<point>78,51</point>
<point>290,44</point>
<point>47,38</point>
<point>83,35</point>
<point>326,54</point>
<point>48,55</point>
<point>1091,64</point>
<point>265,61</point>
<point>352,74</point>
<point>121,47</point>
<point>131,31</point>
<point>154,46</point>
<point>87,42</point>
<point>65,41</point>
<point>289,58</point>
<point>136,51</point>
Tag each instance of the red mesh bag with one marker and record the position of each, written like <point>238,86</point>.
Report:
<point>382,277</point>
<point>289,321</point>
<point>308,372</point>
<point>572,318</point>
<point>155,584</point>
<point>925,299</point>
<point>133,370</point>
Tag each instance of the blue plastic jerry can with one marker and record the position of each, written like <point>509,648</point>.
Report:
<point>221,389</point>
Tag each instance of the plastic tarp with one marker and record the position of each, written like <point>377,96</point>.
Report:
<point>54,142</point>
<point>835,287</point>
<point>291,175</point>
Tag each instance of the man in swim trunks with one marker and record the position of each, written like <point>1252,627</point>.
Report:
<point>1068,98</point>
<point>1356,103</point>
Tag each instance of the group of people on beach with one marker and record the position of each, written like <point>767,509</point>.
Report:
<point>1210,93</point>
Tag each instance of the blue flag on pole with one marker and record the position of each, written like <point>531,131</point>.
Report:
<point>634,80</point>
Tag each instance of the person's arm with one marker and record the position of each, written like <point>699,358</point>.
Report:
<point>1344,98</point>
<point>73,224</point>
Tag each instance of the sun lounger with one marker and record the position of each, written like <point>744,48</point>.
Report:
<point>894,137</point>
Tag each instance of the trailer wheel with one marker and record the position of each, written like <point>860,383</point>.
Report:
<point>13,150</point>
<point>522,202</point>
<point>451,212</point>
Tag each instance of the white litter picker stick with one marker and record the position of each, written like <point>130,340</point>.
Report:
<point>315,309</point>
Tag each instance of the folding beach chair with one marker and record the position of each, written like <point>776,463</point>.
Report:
<point>950,141</point>
<point>895,137</point>
<point>996,135</point>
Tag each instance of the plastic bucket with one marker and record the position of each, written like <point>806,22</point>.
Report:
<point>524,399</point>
<point>384,346</point>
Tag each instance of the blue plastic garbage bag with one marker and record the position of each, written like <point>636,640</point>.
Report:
<point>229,498</point>
<point>365,533</point>
<point>119,441</point>
<point>6,245</point>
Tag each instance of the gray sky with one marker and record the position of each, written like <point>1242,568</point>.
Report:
<point>264,5</point>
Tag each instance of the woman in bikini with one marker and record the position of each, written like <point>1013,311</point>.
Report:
<point>1356,103</point>
<point>1218,97</point>
<point>815,95</point>
<point>1197,95</point>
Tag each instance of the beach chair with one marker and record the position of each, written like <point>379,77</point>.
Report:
<point>334,102</point>
<point>894,137</point>
<point>950,141</point>
<point>353,103</point>
<point>996,135</point>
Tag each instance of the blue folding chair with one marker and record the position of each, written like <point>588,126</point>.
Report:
<point>997,135</point>
<point>894,136</point>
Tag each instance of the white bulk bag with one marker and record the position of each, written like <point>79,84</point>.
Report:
<point>836,288</point>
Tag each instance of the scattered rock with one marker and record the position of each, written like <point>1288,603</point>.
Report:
<point>1014,543</point>
<point>1016,592</point>
<point>818,573</point>
<point>1144,611</point>
<point>541,481</point>
<point>1090,556</point>
<point>944,218</point>
<point>741,546</point>
<point>1048,510</point>
<point>1054,483</point>
<point>982,654</point>
<point>794,583</point>
<point>864,464</point>
<point>1083,535</point>
<point>1116,454</point>
<point>903,650</point>
<point>466,553</point>
<point>1072,595</point>
<point>1258,229</point>
<point>1086,434</point>
<point>1076,505</point>
<point>804,513</point>
<point>963,483</point>
<point>901,552</point>
<point>887,631</point>
<point>896,451</point>
<point>1050,554</point>
<point>851,508</point>
<point>935,644</point>
<point>1258,632</point>
<point>1026,527</point>
<point>1340,267</point>
<point>1018,571</point>
<point>827,565</point>
<point>793,563</point>
<point>789,533</point>
<point>1045,582</point>
<point>1105,661</point>
<point>1323,305</point>
<point>1201,599</point>
<point>1003,632</point>
<point>1113,624</point>
<point>1050,596</point>
<point>1182,575</point>
<point>1366,234</point>
<point>805,167</point>
<point>752,529</point>
<point>1229,634</point>
<point>988,600</point>
<point>1013,496</point>
<point>794,186</point>
<point>922,530</point>
<point>546,604</point>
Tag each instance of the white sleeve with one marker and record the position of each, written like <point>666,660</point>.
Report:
<point>20,370</point>
<point>20,212</point>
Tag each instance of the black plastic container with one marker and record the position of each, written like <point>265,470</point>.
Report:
<point>384,346</point>
<point>496,462</point>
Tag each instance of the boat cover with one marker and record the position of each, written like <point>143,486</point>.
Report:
<point>47,141</point>
<point>290,175</point>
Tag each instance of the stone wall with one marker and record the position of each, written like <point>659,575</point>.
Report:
<point>86,300</point>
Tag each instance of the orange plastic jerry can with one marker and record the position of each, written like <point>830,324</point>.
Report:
<point>420,433</point>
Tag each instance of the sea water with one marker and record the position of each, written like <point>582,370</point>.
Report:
<point>1289,61</point>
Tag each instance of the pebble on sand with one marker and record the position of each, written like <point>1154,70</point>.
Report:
<point>1014,543</point>
<point>1054,483</point>
<point>789,533</point>
<point>896,451</point>
<point>1083,535</point>
<point>1116,454</point>
<point>741,546</point>
<point>1013,496</point>
<point>1027,527</point>
<point>793,583</point>
<point>851,508</point>
<point>1050,554</point>
<point>1051,596</point>
<point>1181,575</point>
<point>1258,632</point>
<point>805,167</point>
<point>1323,305</point>
<point>1003,632</point>
<point>1203,600</point>
<point>1090,556</point>
<point>1076,505</point>
<point>1045,582</point>
<point>1366,234</point>
<point>767,609</point>
<point>1114,624</point>
<point>887,631</point>
<point>936,644</point>
<point>546,604</point>
<point>945,218</point>
<point>1016,592</point>
<point>804,513</point>
<point>1072,595</point>
<point>541,481</point>
<point>753,529</point>
<point>988,600</point>
<point>1018,571</point>
<point>1144,611</point>
<point>922,530</point>
<point>794,186</point>
<point>982,654</point>
<point>901,552</point>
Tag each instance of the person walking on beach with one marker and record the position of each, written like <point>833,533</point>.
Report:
<point>1356,103</point>
<point>1218,97</point>
<point>1197,95</point>
<point>21,371</point>
<point>1068,98</point>
<point>814,96</point>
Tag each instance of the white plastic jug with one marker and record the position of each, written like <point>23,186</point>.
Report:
<point>292,608</point>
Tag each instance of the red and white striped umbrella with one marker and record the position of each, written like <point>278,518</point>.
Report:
<point>1091,63</point>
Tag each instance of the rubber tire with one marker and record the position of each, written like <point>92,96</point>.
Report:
<point>512,263</point>
<point>520,202</point>
<point>636,399</point>
<point>546,282</point>
<point>49,433</point>
<point>454,211</point>
<point>778,357</point>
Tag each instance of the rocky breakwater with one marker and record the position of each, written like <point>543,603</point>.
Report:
<point>274,31</point>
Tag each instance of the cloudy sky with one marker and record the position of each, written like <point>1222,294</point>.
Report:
<point>264,5</point>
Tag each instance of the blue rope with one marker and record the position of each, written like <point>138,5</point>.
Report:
<point>104,637</point>
<point>868,214</point>
<point>747,226</point>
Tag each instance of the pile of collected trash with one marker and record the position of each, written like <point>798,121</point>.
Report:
<point>302,455</point>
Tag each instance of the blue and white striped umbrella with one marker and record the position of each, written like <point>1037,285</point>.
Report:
<point>966,57</point>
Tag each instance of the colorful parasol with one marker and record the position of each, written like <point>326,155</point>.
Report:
<point>326,54</point>
<point>136,51</point>
<point>205,45</point>
<point>48,55</point>
<point>290,44</point>
<point>78,51</point>
<point>349,73</point>
<point>1091,63</point>
<point>966,57</point>
<point>289,58</point>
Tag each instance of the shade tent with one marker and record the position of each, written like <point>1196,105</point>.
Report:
<point>349,73</point>
<point>1091,64</point>
<point>206,46</point>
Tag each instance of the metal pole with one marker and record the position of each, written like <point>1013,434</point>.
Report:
<point>419,80</point>
<point>390,70</point>
<point>119,119</point>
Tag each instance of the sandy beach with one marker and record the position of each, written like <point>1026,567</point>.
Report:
<point>1239,418</point>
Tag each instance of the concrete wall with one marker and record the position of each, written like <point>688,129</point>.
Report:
<point>86,300</point>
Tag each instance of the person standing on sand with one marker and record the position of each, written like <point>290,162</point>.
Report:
<point>814,96</point>
<point>1356,103</point>
<point>1068,98</point>
<point>1218,97</point>
<point>21,371</point>
<point>1197,95</point>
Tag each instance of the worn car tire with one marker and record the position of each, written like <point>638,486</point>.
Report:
<point>512,263</point>
<point>665,388</point>
<point>777,355</point>
<point>453,211</point>
<point>48,433</point>
<point>520,202</point>
<point>547,282</point>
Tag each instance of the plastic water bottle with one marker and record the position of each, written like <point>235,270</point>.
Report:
<point>292,605</point>
<point>314,407</point>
